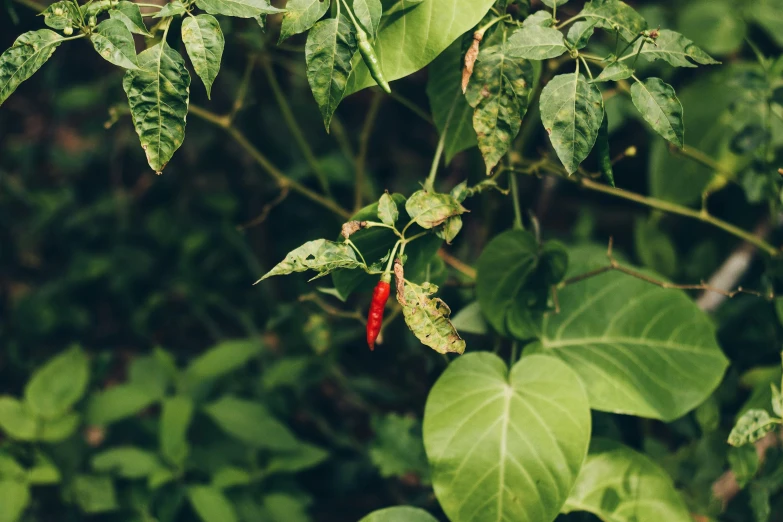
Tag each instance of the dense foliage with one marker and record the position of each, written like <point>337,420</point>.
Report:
<point>474,156</point>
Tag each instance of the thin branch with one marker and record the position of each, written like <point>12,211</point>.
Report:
<point>281,179</point>
<point>463,268</point>
<point>266,210</point>
<point>364,142</point>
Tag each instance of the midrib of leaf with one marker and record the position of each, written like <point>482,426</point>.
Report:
<point>35,54</point>
<point>503,450</point>
<point>652,343</point>
<point>661,113</point>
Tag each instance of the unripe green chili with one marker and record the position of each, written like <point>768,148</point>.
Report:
<point>371,59</point>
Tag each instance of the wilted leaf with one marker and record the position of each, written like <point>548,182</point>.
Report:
<point>320,255</point>
<point>430,209</point>
<point>29,52</point>
<point>535,42</point>
<point>428,319</point>
<point>114,42</point>
<point>301,15</point>
<point>450,228</point>
<point>204,42</point>
<point>752,426</point>
<point>658,104</point>
<point>387,210</point>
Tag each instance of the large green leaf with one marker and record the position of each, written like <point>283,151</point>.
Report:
<point>319,255</point>
<point>251,423</point>
<point>204,42</point>
<point>29,52</point>
<point>399,514</point>
<point>450,110</point>
<point>301,15</point>
<point>658,104</point>
<point>614,15</point>
<point>61,15</point>
<point>505,446</point>
<point>535,42</point>
<point>238,8</point>
<point>638,348</point>
<point>14,499</point>
<point>675,49</point>
<point>114,42</point>
<point>158,96</point>
<point>129,14</point>
<point>330,47</point>
<point>413,36</point>
<point>57,385</point>
<point>621,485</point>
<point>499,92</point>
<point>571,111</point>
<point>211,504</point>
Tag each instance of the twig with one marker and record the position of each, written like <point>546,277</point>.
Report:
<point>266,210</point>
<point>463,268</point>
<point>281,179</point>
<point>364,142</point>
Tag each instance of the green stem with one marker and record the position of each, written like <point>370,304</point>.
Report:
<point>589,72</point>
<point>571,20</point>
<point>392,257</point>
<point>515,197</point>
<point>486,27</point>
<point>430,183</point>
<point>295,129</point>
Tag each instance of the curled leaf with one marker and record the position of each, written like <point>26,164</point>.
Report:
<point>352,227</point>
<point>320,255</point>
<point>428,319</point>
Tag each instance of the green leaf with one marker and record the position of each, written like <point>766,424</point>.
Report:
<point>14,497</point>
<point>428,319</point>
<point>614,15</point>
<point>58,384</point>
<point>397,448</point>
<point>305,456</point>
<point>540,18</point>
<point>399,514</point>
<point>238,8</point>
<point>61,15</point>
<point>94,494</point>
<point>204,42</point>
<point>16,419</point>
<point>59,429</point>
<point>130,14</point>
<point>639,349</point>
<point>571,111</point>
<point>222,359</point>
<point>744,462</point>
<point>126,461</point>
<point>505,446</point>
<point>10,469</point>
<point>470,320</point>
<point>281,507</point>
<point>621,485</point>
<point>615,72</point>
<point>410,39</point>
<point>752,426</point>
<point>230,476</point>
<point>211,504</point>
<point>498,91</point>
<point>658,104</point>
<point>29,52</point>
<point>118,403</point>
<point>301,15</point>
<point>387,210</point>
<point>535,42</point>
<point>175,418</point>
<point>675,49</point>
<point>430,209</point>
<point>43,472</point>
<point>368,12</point>
<point>114,42</point>
<point>451,112</point>
<point>251,423</point>
<point>554,3</point>
<point>158,96</point>
<point>330,47</point>
<point>175,8</point>
<point>320,255</point>
<point>602,149</point>
<point>580,33</point>
<point>449,230</point>
<point>151,374</point>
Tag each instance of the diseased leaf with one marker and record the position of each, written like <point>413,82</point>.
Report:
<point>301,15</point>
<point>320,255</point>
<point>430,209</point>
<point>428,319</point>
<point>387,210</point>
<point>450,228</point>
<point>534,42</point>
<point>238,8</point>
<point>580,33</point>
<point>505,445</point>
<point>58,384</point>
<point>602,149</point>
<point>368,12</point>
<point>539,18</point>
<point>129,14</point>
<point>639,490</point>
<point>174,8</point>
<point>752,426</point>
<point>614,72</point>
<point>658,104</point>
<point>499,92</point>
<point>29,52</point>
<point>204,42</point>
<point>114,42</point>
<point>614,15</point>
<point>62,15</point>
<point>330,47</point>
<point>571,111</point>
<point>675,49</point>
<point>158,96</point>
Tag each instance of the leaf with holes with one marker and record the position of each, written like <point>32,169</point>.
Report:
<point>614,15</point>
<point>658,104</point>
<point>204,42</point>
<point>675,49</point>
<point>158,96</point>
<point>621,485</point>
<point>572,111</point>
<point>238,8</point>
<point>535,42</point>
<point>330,47</point>
<point>114,42</point>
<point>752,426</point>
<point>499,92</point>
<point>29,52</point>
<point>638,348</point>
<point>129,14</point>
<point>320,255</point>
<point>505,445</point>
<point>428,319</point>
<point>301,15</point>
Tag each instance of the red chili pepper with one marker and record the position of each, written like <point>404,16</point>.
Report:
<point>375,318</point>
